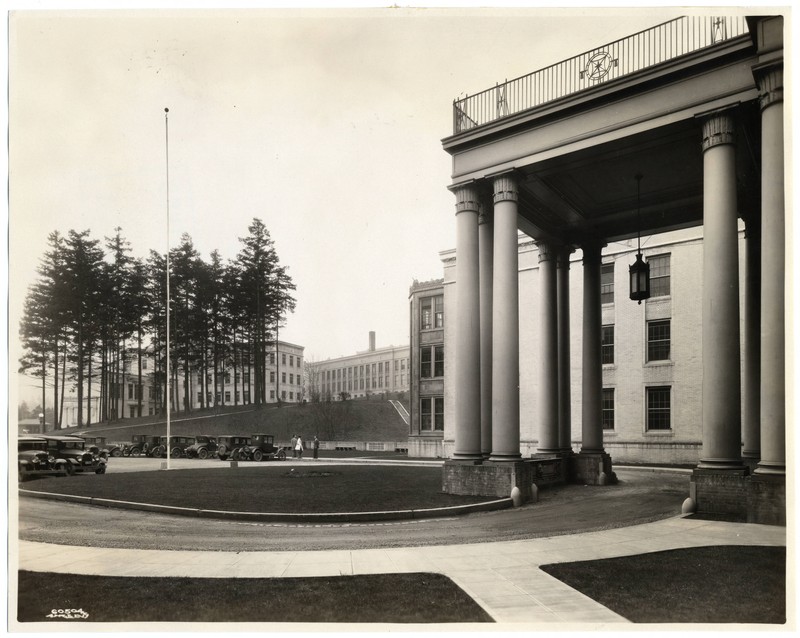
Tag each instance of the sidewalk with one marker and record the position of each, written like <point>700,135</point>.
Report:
<point>503,577</point>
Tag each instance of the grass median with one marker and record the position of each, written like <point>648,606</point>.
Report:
<point>719,584</point>
<point>273,487</point>
<point>373,598</point>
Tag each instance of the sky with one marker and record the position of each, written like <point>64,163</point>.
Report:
<point>327,124</point>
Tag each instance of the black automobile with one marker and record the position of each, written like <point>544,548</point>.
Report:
<point>177,446</point>
<point>35,459</point>
<point>262,446</point>
<point>142,445</point>
<point>203,447</point>
<point>230,446</point>
<point>70,452</point>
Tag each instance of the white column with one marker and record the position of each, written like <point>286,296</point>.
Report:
<point>773,266</point>
<point>548,351</point>
<point>721,349</point>
<point>751,370</point>
<point>505,323</point>
<point>592,389</point>
<point>467,387</point>
<point>564,392</point>
<point>486,249</point>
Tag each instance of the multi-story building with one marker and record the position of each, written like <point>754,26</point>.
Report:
<point>651,368</point>
<point>374,371</point>
<point>427,368</point>
<point>285,380</point>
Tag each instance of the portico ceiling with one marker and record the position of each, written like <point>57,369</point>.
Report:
<point>592,192</point>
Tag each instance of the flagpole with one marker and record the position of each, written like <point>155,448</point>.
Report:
<point>169,378</point>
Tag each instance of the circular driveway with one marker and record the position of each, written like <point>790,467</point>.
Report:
<point>639,497</point>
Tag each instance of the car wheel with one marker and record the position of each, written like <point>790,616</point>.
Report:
<point>237,455</point>
<point>135,452</point>
<point>176,452</point>
<point>69,469</point>
<point>100,470</point>
<point>158,452</point>
<point>281,455</point>
<point>258,455</point>
<point>202,453</point>
<point>222,452</point>
<point>116,453</point>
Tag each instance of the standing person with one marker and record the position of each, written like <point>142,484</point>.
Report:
<point>315,445</point>
<point>299,447</point>
<point>294,446</point>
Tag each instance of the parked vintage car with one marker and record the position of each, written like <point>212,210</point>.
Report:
<point>96,445</point>
<point>35,459</point>
<point>141,445</point>
<point>203,447</point>
<point>71,454</point>
<point>262,446</point>
<point>177,446</point>
<point>230,446</point>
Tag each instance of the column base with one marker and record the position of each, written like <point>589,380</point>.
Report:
<point>591,468</point>
<point>505,458</point>
<point>721,464</point>
<point>775,469</point>
<point>488,479</point>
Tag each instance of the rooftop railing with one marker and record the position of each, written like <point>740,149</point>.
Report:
<point>599,65</point>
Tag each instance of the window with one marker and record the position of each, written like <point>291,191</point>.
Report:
<point>246,376</point>
<point>199,397</point>
<point>130,390</point>
<point>227,396</point>
<point>291,361</point>
<point>608,408</point>
<point>144,364</point>
<point>291,396</point>
<point>283,377</point>
<point>431,312</point>
<point>283,358</point>
<point>607,283</point>
<point>659,275</point>
<point>283,395</point>
<point>431,414</point>
<point>227,377</point>
<point>658,340</point>
<point>431,362</point>
<point>272,376</point>
<point>658,408</point>
<point>291,379</point>
<point>607,344</point>
<point>271,395</point>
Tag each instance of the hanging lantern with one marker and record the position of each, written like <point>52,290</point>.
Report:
<point>640,279</point>
<point>640,269</point>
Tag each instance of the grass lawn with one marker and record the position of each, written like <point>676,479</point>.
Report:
<point>720,584</point>
<point>375,598</point>
<point>269,487</point>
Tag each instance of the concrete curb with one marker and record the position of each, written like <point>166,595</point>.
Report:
<point>278,517</point>
<point>653,469</point>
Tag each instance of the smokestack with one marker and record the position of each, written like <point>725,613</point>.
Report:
<point>372,341</point>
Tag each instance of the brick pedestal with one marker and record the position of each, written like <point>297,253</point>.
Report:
<point>488,479</point>
<point>591,468</point>
<point>720,492</point>
<point>766,499</point>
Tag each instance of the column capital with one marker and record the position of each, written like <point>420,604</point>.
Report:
<point>592,250</point>
<point>505,188</point>
<point>770,83</point>
<point>547,252</point>
<point>718,128</point>
<point>484,214</point>
<point>562,256</point>
<point>467,198</point>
